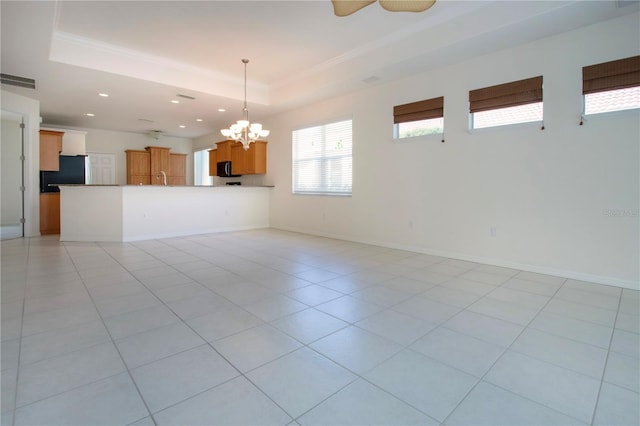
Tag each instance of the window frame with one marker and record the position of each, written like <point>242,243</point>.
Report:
<point>427,109</point>
<point>608,77</point>
<point>322,176</point>
<point>507,95</point>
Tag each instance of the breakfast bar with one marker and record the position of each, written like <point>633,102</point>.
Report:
<point>120,213</point>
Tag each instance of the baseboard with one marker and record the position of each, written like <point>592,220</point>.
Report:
<point>190,233</point>
<point>541,269</point>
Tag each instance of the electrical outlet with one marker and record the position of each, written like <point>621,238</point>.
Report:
<point>411,224</point>
<point>492,230</point>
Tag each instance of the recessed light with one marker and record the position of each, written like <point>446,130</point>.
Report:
<point>89,114</point>
<point>182,126</point>
<point>104,95</point>
<point>221,110</point>
<point>175,101</point>
<point>199,120</point>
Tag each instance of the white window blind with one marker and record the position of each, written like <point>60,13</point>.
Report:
<point>322,161</point>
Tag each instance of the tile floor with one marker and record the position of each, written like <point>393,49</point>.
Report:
<point>271,327</point>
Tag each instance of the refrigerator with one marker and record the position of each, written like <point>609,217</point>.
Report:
<point>72,171</point>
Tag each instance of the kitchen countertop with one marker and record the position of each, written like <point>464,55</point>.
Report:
<point>168,186</point>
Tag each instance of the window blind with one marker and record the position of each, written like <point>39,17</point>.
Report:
<point>421,110</point>
<point>322,161</point>
<point>516,93</point>
<point>613,75</point>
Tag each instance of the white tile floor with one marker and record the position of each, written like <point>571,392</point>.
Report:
<point>270,327</point>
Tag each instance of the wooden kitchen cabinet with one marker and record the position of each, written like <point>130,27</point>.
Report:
<point>213,162</point>
<point>49,213</point>
<point>238,160</point>
<point>159,163</point>
<point>250,162</point>
<point>50,149</point>
<point>224,150</point>
<point>256,158</point>
<point>144,167</point>
<point>138,167</point>
<point>177,174</point>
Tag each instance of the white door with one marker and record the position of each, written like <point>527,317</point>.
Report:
<point>11,176</point>
<point>102,169</point>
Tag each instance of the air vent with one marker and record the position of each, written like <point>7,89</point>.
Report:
<point>623,3</point>
<point>371,79</point>
<point>191,98</point>
<point>13,80</point>
<point>146,120</point>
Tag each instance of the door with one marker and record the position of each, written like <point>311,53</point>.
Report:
<point>102,169</point>
<point>11,176</point>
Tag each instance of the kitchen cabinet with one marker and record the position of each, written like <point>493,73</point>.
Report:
<point>213,162</point>
<point>224,150</point>
<point>177,174</point>
<point>138,167</point>
<point>250,162</point>
<point>159,163</point>
<point>49,213</point>
<point>144,167</point>
<point>256,158</point>
<point>50,148</point>
<point>238,160</point>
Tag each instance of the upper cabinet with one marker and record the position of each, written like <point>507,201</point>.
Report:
<point>213,162</point>
<point>250,162</point>
<point>256,159</point>
<point>50,148</point>
<point>224,150</point>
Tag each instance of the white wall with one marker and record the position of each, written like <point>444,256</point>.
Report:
<point>30,111</point>
<point>112,142</point>
<point>545,192</point>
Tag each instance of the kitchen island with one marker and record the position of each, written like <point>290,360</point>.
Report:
<point>143,212</point>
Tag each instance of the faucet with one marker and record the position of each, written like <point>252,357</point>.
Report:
<point>164,177</point>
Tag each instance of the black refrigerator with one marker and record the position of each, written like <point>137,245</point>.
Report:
<point>71,172</point>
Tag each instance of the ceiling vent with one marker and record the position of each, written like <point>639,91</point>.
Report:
<point>13,80</point>
<point>191,98</point>
<point>371,79</point>
<point>623,3</point>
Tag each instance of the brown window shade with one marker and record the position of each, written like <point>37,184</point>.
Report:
<point>516,93</point>
<point>422,110</point>
<point>612,75</point>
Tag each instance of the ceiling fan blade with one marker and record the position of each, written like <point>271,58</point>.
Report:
<point>347,7</point>
<point>407,5</point>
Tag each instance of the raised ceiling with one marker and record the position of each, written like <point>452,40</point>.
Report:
<point>144,54</point>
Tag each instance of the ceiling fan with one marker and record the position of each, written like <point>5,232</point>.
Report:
<point>347,7</point>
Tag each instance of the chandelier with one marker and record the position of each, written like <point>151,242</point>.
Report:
<point>243,131</point>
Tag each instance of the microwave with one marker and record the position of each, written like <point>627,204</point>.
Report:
<point>224,169</point>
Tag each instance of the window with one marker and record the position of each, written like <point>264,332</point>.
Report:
<point>418,118</point>
<point>509,103</point>
<point>201,168</point>
<point>611,86</point>
<point>322,162</point>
